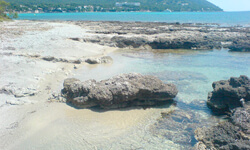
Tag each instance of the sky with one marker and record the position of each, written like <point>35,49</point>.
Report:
<point>232,5</point>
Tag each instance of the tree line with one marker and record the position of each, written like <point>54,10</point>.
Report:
<point>3,15</point>
<point>109,5</point>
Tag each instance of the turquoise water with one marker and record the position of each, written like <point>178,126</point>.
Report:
<point>224,18</point>
<point>192,71</point>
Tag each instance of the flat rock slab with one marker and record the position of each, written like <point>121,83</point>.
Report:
<point>117,92</point>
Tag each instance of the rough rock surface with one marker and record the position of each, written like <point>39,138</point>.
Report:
<point>178,123</point>
<point>120,91</point>
<point>101,60</point>
<point>51,58</point>
<point>241,118</point>
<point>229,135</point>
<point>167,35</point>
<point>229,94</point>
<point>18,92</point>
<point>240,46</point>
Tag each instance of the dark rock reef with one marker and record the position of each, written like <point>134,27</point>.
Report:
<point>178,126</point>
<point>233,134</point>
<point>240,46</point>
<point>229,94</point>
<point>167,35</point>
<point>117,92</point>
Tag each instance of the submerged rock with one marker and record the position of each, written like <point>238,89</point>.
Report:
<point>223,136</point>
<point>178,126</point>
<point>229,135</point>
<point>233,134</point>
<point>120,91</point>
<point>229,94</point>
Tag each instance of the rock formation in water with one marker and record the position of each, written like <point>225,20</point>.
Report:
<point>120,91</point>
<point>229,94</point>
<point>233,134</point>
<point>229,135</point>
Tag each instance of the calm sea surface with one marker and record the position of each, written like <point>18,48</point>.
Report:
<point>223,18</point>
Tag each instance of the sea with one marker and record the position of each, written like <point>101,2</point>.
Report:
<point>222,18</point>
<point>192,71</point>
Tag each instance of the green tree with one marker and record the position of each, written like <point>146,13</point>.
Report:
<point>13,15</point>
<point>3,6</point>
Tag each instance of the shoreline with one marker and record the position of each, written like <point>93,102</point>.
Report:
<point>29,80</point>
<point>33,75</point>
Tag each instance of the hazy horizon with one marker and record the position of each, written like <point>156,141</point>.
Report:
<point>232,5</point>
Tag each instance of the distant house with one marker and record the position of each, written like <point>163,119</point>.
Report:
<point>168,10</point>
<point>184,4</point>
<point>121,4</point>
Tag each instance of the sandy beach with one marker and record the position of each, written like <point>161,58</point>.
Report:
<point>29,120</point>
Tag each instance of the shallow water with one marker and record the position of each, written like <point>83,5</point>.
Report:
<point>192,71</point>
<point>136,128</point>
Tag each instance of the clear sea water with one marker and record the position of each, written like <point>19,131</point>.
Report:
<point>223,18</point>
<point>193,72</point>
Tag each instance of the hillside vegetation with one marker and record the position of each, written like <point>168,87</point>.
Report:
<point>110,5</point>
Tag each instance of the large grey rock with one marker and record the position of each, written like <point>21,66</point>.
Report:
<point>120,91</point>
<point>229,94</point>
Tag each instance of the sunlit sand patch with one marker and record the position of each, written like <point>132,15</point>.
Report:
<point>60,123</point>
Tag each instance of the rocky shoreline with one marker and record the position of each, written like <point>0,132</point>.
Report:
<point>230,96</point>
<point>167,35</point>
<point>37,56</point>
